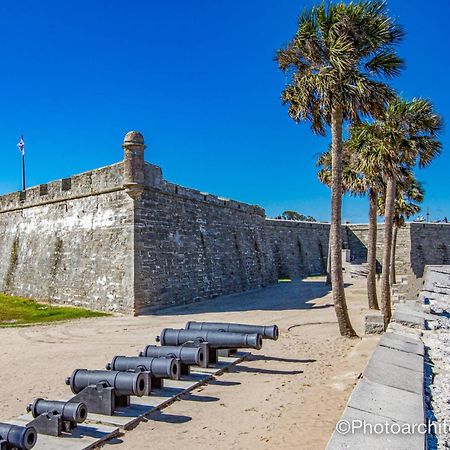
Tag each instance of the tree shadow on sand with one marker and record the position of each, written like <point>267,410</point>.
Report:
<point>159,416</point>
<point>241,368</point>
<point>275,358</point>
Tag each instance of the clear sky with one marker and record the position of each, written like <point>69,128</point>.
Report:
<point>198,80</point>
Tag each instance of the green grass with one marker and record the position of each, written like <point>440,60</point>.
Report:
<point>16,311</point>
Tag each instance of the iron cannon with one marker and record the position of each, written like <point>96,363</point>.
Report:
<point>103,390</point>
<point>165,367</point>
<point>266,332</point>
<point>17,437</point>
<point>186,355</point>
<point>74,412</point>
<point>55,417</point>
<point>215,339</point>
<point>124,383</point>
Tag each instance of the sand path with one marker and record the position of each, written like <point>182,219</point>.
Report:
<point>289,395</point>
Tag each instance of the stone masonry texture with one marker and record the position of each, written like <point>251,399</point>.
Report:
<point>121,238</point>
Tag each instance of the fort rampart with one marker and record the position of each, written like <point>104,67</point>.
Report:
<point>121,238</point>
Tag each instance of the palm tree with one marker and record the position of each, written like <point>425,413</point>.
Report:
<point>368,163</point>
<point>351,183</point>
<point>334,63</point>
<point>404,136</point>
<point>409,193</point>
<point>357,182</point>
<point>372,250</point>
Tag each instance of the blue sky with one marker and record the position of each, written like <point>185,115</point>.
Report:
<point>199,81</point>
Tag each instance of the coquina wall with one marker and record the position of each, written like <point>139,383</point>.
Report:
<point>193,245</point>
<point>418,244</point>
<point>70,241</point>
<point>121,238</point>
<point>299,248</point>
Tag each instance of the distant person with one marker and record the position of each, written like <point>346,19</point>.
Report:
<point>445,220</point>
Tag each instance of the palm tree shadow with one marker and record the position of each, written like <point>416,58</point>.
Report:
<point>275,358</point>
<point>241,368</point>
<point>224,383</point>
<point>159,416</point>
<point>199,398</point>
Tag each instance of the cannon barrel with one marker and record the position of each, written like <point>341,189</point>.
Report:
<point>158,367</point>
<point>266,332</point>
<point>186,355</point>
<point>17,436</point>
<point>124,383</point>
<point>74,412</point>
<point>215,339</point>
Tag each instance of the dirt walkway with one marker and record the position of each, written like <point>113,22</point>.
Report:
<point>289,395</point>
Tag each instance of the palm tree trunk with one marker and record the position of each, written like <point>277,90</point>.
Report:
<point>337,281</point>
<point>328,281</point>
<point>394,247</point>
<point>372,250</point>
<point>388,224</point>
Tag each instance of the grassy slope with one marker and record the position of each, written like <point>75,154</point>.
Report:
<point>16,311</point>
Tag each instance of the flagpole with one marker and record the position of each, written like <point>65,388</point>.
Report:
<point>21,147</point>
<point>23,172</point>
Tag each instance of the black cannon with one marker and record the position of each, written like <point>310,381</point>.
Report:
<point>55,417</point>
<point>216,340</point>
<point>17,437</point>
<point>103,390</point>
<point>155,368</point>
<point>188,356</point>
<point>266,332</point>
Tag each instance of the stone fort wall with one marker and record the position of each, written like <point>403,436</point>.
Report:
<point>121,238</point>
<point>70,241</point>
<point>418,245</point>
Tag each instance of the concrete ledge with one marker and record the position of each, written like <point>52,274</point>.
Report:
<point>389,402</point>
<point>362,438</point>
<point>398,358</point>
<point>402,343</point>
<point>385,373</point>
<point>374,324</point>
<point>404,331</point>
<point>390,392</point>
<point>414,309</point>
<point>409,320</point>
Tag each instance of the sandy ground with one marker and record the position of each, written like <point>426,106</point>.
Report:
<point>289,395</point>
